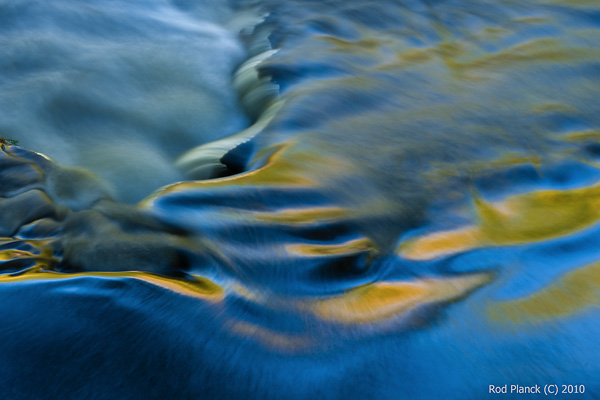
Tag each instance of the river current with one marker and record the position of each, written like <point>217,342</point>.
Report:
<point>299,200</point>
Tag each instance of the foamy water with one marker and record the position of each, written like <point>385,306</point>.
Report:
<point>119,88</point>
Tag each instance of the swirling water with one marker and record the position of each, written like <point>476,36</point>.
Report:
<point>355,199</point>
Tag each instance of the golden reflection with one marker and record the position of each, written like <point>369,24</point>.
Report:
<point>535,51</point>
<point>10,254</point>
<point>574,292</point>
<point>344,46</point>
<point>42,252</point>
<point>439,244</point>
<point>198,287</point>
<point>346,248</point>
<point>589,134</point>
<point>477,168</point>
<point>303,216</point>
<point>553,107</point>
<point>526,218</point>
<point>375,302</point>
<point>286,166</point>
<point>414,56</point>
<point>458,57</point>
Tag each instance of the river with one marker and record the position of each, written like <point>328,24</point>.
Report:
<point>301,199</point>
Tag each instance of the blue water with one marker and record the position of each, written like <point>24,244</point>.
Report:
<point>298,200</point>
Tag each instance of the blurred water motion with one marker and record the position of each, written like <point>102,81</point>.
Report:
<point>119,88</point>
<point>351,200</point>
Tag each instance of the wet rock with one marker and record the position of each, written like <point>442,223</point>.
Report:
<point>77,188</point>
<point>17,174</point>
<point>74,187</point>
<point>43,228</point>
<point>93,242</point>
<point>23,209</point>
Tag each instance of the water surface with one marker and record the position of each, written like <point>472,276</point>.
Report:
<point>336,199</point>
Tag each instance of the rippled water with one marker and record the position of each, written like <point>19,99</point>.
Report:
<point>337,199</point>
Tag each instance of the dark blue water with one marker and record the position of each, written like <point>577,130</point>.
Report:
<point>299,199</point>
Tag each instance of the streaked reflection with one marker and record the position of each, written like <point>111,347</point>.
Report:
<point>197,287</point>
<point>573,293</point>
<point>382,300</point>
<point>517,220</point>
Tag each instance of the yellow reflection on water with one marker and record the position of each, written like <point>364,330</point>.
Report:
<point>302,216</point>
<point>346,248</point>
<point>283,167</point>
<point>588,134</point>
<point>382,300</point>
<point>10,254</point>
<point>42,253</point>
<point>343,46</point>
<point>520,219</point>
<point>574,292</point>
<point>287,165</point>
<point>198,287</point>
<point>442,243</point>
<point>534,51</point>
